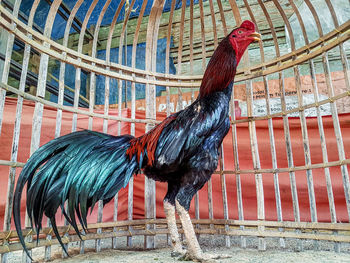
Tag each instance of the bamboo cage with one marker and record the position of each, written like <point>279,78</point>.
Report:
<point>299,49</point>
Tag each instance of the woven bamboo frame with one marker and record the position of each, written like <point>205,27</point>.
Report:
<point>212,11</point>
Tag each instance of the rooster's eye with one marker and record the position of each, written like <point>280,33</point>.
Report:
<point>240,31</point>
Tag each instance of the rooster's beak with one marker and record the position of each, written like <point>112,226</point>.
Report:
<point>255,36</point>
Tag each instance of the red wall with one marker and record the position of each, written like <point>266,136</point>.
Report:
<point>245,162</point>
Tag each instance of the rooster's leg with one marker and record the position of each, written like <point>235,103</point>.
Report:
<point>194,250</point>
<point>171,220</point>
<point>182,201</point>
<point>169,209</point>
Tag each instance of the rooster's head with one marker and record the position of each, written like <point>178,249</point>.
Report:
<point>241,37</point>
<point>222,66</point>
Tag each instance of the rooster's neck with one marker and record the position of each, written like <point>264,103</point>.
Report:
<point>220,71</point>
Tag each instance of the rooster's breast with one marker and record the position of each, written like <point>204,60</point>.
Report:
<point>191,142</point>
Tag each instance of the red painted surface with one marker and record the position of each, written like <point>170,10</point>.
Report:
<point>245,162</point>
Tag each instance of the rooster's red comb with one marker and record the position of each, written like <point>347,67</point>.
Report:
<point>248,25</point>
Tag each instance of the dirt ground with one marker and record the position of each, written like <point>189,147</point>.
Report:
<point>210,244</point>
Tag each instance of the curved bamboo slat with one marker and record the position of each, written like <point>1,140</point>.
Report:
<point>191,31</point>
<point>219,229</point>
<point>332,39</point>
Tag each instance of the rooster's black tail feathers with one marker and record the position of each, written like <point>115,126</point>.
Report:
<point>80,168</point>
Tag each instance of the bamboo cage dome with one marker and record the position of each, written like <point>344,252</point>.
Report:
<point>122,66</point>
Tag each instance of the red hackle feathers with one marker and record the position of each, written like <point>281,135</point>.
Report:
<point>148,141</point>
<point>221,69</point>
<point>222,66</point>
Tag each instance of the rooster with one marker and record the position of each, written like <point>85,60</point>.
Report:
<point>83,167</point>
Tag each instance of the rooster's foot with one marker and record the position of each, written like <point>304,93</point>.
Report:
<point>178,252</point>
<point>204,257</point>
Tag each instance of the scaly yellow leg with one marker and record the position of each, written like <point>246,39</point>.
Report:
<point>194,251</point>
<point>169,210</point>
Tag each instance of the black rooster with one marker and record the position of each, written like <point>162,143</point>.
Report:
<point>85,166</point>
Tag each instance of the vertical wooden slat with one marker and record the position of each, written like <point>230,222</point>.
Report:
<point>210,186</point>
<point>344,170</point>
<point>63,66</point>
<point>222,177</point>
<point>212,14</point>
<point>78,69</point>
<point>255,154</point>
<point>179,51</point>
<point>123,35</point>
<point>289,150</point>
<point>235,11</point>
<point>16,129</point>
<point>167,55</point>
<point>222,160</point>
<point>92,105</point>
<point>255,157</point>
<point>252,17</point>
<point>78,84</point>
<point>120,60</point>
<point>115,218</point>
<point>343,55</point>
<point>256,162</point>
<point>132,127</point>
<point>107,91</point>
<point>330,91</point>
<point>204,55</point>
<point>150,65</point>
<point>191,58</point>
<point>222,16</point>
<point>237,168</point>
<point>167,66</point>
<point>238,20</point>
<point>224,193</point>
<point>133,98</point>
<point>15,144</point>
<point>6,69</point>
<point>210,201</point>
<point>41,88</point>
<point>17,125</point>
<point>133,60</point>
<point>253,138</point>
<point>274,160</point>
<point>61,95</point>
<point>196,197</point>
<point>235,144</point>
